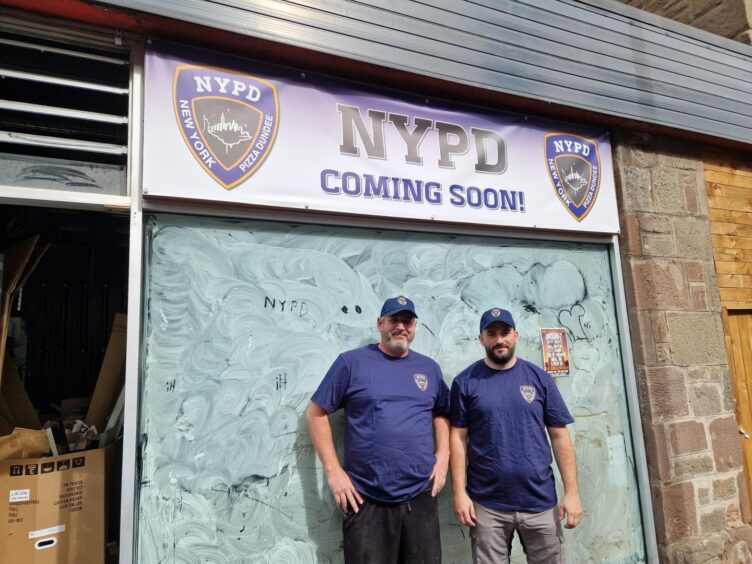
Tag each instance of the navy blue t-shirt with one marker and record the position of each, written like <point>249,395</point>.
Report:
<point>389,407</point>
<point>506,413</point>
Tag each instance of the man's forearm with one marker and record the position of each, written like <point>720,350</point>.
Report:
<point>561,444</point>
<point>321,437</point>
<point>345,494</point>
<point>458,458</point>
<point>441,435</point>
<point>464,509</point>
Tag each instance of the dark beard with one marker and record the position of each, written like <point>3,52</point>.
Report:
<point>502,358</point>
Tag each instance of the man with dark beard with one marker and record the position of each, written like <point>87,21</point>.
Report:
<point>395,402</point>
<point>502,480</point>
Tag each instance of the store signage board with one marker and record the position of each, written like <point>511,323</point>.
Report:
<point>228,130</point>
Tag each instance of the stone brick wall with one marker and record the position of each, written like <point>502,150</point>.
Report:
<point>728,18</point>
<point>687,406</point>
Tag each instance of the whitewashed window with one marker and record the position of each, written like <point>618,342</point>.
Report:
<point>244,318</point>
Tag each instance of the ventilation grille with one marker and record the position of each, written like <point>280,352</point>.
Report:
<point>61,99</point>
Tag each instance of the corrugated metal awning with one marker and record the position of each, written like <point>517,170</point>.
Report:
<point>594,55</point>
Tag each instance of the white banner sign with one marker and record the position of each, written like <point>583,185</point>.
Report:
<point>228,130</point>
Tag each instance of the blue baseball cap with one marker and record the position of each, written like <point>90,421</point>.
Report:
<point>495,315</point>
<point>395,305</point>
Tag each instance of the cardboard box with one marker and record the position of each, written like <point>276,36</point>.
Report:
<point>7,423</point>
<point>24,443</point>
<point>111,375</point>
<point>16,399</point>
<point>19,261</point>
<point>52,510</point>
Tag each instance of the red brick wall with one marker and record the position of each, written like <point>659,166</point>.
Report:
<point>687,409</point>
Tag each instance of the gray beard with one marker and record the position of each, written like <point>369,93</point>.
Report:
<point>401,346</point>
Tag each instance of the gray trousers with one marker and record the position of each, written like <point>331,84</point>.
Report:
<point>541,536</point>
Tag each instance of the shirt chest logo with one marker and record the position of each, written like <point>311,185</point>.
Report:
<point>528,393</point>
<point>421,380</point>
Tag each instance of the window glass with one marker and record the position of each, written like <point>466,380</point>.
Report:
<point>244,318</point>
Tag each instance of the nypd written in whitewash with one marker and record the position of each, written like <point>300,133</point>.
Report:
<point>409,190</point>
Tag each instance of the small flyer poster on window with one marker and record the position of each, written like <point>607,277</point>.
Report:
<point>555,351</point>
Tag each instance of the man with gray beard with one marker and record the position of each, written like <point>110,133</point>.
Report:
<point>396,443</point>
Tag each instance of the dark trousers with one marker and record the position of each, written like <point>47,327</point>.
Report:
<point>407,533</point>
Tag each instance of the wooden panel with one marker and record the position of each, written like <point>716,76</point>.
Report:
<point>737,327</point>
<point>728,169</point>
<point>730,212</point>
<point>730,177</point>
<point>743,373</point>
<point>731,255</point>
<point>730,216</point>
<point>728,267</point>
<point>735,306</point>
<point>719,228</point>
<point>731,242</point>
<point>740,204</point>
<point>745,342</point>
<point>734,344</point>
<point>735,280</point>
<point>727,191</point>
<point>743,295</point>
<point>729,206</point>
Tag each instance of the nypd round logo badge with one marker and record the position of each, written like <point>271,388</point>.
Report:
<point>228,120</point>
<point>574,169</point>
<point>401,300</point>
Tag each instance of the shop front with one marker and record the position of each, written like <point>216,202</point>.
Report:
<point>280,209</point>
<point>250,219</point>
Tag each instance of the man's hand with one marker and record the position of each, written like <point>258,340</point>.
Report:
<point>570,506</point>
<point>439,473</point>
<point>343,490</point>
<point>464,509</point>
